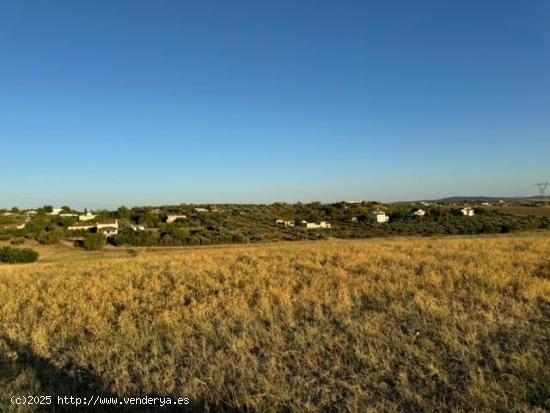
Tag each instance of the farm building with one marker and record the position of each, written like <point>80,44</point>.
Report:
<point>379,216</point>
<point>284,223</point>
<point>108,228</point>
<point>320,225</point>
<point>14,226</point>
<point>418,213</point>
<point>86,217</point>
<point>174,218</point>
<point>81,227</point>
<point>467,211</point>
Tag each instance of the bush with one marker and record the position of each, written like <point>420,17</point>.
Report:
<point>10,255</point>
<point>51,237</point>
<point>18,241</point>
<point>94,241</point>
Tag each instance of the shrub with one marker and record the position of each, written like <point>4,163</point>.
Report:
<point>17,241</point>
<point>51,237</point>
<point>94,241</point>
<point>10,255</point>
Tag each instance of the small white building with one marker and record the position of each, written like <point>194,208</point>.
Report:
<point>108,228</point>
<point>379,216</point>
<point>418,213</point>
<point>467,211</point>
<point>55,211</point>
<point>86,217</point>
<point>320,225</point>
<point>138,227</point>
<point>13,226</point>
<point>285,223</point>
<point>201,210</point>
<point>81,227</point>
<point>174,218</point>
<point>68,215</point>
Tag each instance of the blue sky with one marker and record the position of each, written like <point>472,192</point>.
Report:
<point>105,103</point>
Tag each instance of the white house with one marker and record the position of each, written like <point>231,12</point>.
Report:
<point>81,227</point>
<point>379,216</point>
<point>201,210</point>
<point>284,223</point>
<point>418,213</point>
<point>87,217</point>
<point>173,218</point>
<point>13,226</point>
<point>67,215</point>
<point>320,225</point>
<point>55,211</point>
<point>108,228</point>
<point>467,211</point>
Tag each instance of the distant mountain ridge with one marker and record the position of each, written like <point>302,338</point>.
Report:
<point>491,199</point>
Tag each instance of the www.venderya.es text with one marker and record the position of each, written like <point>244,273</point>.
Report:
<point>45,400</point>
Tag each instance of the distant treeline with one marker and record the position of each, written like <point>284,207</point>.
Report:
<point>206,225</point>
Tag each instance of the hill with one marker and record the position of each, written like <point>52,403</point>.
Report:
<point>490,199</point>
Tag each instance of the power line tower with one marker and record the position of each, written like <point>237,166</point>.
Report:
<point>542,187</point>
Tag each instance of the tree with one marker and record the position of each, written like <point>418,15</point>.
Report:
<point>52,236</point>
<point>47,208</point>
<point>94,241</point>
<point>123,212</point>
<point>17,255</point>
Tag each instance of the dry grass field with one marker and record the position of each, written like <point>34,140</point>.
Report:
<point>450,324</point>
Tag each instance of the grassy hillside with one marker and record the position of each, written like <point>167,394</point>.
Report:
<point>455,324</point>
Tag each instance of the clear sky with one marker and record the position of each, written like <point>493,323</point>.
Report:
<point>105,103</point>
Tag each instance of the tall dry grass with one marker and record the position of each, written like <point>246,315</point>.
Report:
<point>367,326</point>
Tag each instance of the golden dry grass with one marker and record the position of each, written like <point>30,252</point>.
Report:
<point>459,324</point>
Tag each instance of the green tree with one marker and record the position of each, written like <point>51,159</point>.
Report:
<point>52,236</point>
<point>94,241</point>
<point>17,255</point>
